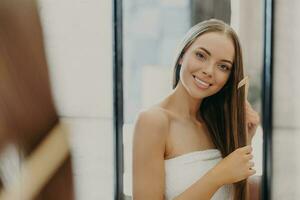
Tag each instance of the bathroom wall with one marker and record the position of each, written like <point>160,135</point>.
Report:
<point>286,98</point>
<point>78,41</point>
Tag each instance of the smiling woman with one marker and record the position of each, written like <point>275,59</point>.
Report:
<point>174,134</point>
<point>201,125</point>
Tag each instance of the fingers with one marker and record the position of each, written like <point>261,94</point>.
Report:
<point>249,125</point>
<point>251,164</point>
<point>252,172</point>
<point>247,149</point>
<point>252,115</point>
<point>253,118</point>
<point>249,156</point>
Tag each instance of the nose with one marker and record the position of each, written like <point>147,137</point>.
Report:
<point>208,70</point>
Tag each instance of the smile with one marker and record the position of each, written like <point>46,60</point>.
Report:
<point>201,84</point>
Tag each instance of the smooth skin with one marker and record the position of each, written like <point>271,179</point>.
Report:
<point>170,128</point>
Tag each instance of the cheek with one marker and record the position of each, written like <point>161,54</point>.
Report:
<point>187,69</point>
<point>220,81</point>
<point>189,61</point>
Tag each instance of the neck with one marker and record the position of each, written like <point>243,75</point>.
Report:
<point>181,102</point>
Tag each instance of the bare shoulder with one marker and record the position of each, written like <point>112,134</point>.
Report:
<point>153,117</point>
<point>151,126</point>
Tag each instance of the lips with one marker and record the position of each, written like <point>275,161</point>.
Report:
<point>201,84</point>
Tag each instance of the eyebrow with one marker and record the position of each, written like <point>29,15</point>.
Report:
<point>206,51</point>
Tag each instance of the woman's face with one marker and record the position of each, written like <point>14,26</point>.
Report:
<point>206,65</point>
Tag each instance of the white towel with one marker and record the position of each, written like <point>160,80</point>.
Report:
<point>182,171</point>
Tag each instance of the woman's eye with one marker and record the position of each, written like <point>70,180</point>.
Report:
<point>224,67</point>
<point>200,55</point>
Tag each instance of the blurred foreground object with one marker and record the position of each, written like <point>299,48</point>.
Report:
<point>27,113</point>
<point>40,166</point>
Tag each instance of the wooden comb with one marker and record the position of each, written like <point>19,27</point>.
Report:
<point>244,81</point>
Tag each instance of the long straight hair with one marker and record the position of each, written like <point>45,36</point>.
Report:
<point>224,112</point>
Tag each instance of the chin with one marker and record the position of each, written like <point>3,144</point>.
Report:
<point>198,95</point>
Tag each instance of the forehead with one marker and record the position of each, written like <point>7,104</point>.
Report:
<point>218,44</point>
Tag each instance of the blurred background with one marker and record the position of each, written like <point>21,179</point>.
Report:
<point>79,44</point>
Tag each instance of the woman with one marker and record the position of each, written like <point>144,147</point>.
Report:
<point>193,144</point>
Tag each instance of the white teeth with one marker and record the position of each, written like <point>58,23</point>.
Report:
<point>202,82</point>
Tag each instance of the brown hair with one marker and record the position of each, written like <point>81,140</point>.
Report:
<point>223,112</point>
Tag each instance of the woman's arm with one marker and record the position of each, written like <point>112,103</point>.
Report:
<point>203,189</point>
<point>149,141</point>
<point>148,155</point>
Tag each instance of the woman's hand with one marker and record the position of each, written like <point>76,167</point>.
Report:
<point>235,167</point>
<point>252,121</point>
